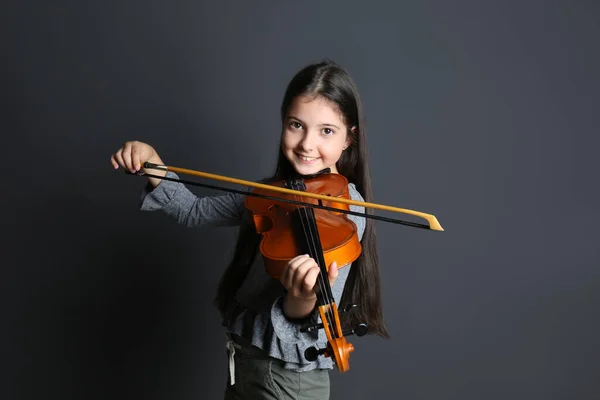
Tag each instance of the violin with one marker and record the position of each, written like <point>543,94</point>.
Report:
<point>307,215</point>
<point>326,236</point>
<point>289,229</point>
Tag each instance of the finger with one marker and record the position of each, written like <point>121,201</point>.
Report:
<point>332,273</point>
<point>127,156</point>
<point>135,158</point>
<point>287,274</point>
<point>310,279</point>
<point>113,161</point>
<point>284,275</point>
<point>299,258</point>
<point>119,158</point>
<point>291,274</point>
<point>299,274</point>
<point>287,278</point>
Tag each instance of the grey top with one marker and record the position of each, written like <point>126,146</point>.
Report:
<point>262,321</point>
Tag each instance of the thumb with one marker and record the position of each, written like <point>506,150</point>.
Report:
<point>332,273</point>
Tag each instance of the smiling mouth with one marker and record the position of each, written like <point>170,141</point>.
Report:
<point>306,159</point>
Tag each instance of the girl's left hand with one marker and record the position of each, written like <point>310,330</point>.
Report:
<point>300,276</point>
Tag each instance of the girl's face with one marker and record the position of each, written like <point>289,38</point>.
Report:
<point>314,135</point>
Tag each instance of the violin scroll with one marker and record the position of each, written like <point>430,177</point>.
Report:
<point>337,348</point>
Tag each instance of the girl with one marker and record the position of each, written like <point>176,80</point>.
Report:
<point>322,127</point>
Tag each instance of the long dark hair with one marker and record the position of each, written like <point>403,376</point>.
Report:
<point>332,82</point>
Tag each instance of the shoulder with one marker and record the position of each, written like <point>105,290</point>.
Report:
<point>354,193</point>
<point>358,220</point>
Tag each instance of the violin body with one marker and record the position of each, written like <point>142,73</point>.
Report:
<point>280,224</point>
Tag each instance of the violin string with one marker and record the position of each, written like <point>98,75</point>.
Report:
<point>310,238</point>
<point>325,277</point>
<point>321,278</point>
<point>307,228</point>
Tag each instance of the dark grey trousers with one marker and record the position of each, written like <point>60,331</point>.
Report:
<point>258,376</point>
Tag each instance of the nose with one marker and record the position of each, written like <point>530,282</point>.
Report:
<point>308,141</point>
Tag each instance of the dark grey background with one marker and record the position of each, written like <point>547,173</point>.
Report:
<point>482,113</point>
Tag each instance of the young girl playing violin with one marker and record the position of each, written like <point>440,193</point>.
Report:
<point>322,127</point>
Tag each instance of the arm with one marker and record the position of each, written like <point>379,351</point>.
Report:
<point>289,315</point>
<point>298,308</point>
<point>174,199</point>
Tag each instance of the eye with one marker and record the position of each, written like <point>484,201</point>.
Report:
<point>328,131</point>
<point>295,125</point>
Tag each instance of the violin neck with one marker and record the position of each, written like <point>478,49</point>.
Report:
<point>309,242</point>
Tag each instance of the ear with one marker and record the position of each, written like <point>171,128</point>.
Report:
<point>349,137</point>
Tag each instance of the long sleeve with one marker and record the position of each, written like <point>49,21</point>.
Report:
<point>176,200</point>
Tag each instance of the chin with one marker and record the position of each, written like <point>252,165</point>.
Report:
<point>307,169</point>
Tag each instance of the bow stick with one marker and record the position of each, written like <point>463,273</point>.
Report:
<point>433,223</point>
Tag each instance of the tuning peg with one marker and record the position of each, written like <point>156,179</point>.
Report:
<point>311,328</point>
<point>312,353</point>
<point>359,330</point>
<point>348,308</point>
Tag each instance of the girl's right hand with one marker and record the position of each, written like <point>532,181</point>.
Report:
<point>133,154</point>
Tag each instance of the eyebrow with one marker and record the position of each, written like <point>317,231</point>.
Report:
<point>298,119</point>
